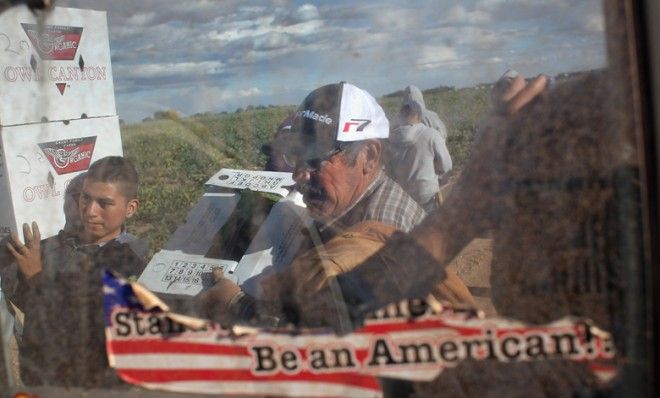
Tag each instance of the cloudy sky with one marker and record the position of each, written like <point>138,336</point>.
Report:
<point>200,55</point>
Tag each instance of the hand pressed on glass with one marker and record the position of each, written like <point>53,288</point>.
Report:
<point>512,93</point>
<point>28,255</point>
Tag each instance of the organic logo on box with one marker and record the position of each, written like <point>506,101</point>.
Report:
<point>52,42</point>
<point>71,155</point>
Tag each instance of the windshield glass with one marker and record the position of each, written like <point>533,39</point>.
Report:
<point>321,198</point>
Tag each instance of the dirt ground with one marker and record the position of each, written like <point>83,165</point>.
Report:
<point>472,265</point>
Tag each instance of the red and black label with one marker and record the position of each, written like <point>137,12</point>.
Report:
<point>71,155</point>
<point>52,42</point>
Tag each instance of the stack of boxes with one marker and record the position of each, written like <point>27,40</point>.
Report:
<point>57,110</point>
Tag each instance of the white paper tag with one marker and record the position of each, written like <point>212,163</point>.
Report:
<point>260,181</point>
<point>174,272</point>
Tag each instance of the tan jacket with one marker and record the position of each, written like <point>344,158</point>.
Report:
<point>310,271</point>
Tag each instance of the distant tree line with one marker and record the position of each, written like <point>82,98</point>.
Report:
<point>170,114</point>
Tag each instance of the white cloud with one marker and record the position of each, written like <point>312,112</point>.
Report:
<point>125,31</point>
<point>363,40</point>
<point>155,70</point>
<point>488,3</point>
<point>459,14</point>
<point>187,100</point>
<point>394,19</point>
<point>262,26</point>
<point>208,99</point>
<point>301,29</point>
<point>241,29</point>
<point>512,4</point>
<point>307,12</point>
<point>272,41</point>
<point>304,13</point>
<point>250,92</point>
<point>255,56</point>
<point>436,56</point>
<point>209,55</point>
<point>520,10</point>
<point>140,19</point>
<point>478,38</point>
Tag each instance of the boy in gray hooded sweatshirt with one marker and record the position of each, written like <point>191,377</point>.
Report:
<point>412,94</point>
<point>419,156</point>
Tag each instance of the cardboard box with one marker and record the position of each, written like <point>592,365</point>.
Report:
<point>276,243</point>
<point>37,163</point>
<point>191,251</point>
<point>59,70</point>
<point>195,236</point>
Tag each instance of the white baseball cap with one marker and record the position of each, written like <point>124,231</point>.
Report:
<point>339,112</point>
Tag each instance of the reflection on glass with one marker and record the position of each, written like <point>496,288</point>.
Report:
<point>446,159</point>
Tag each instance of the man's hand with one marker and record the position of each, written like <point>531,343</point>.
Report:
<point>306,287</point>
<point>28,255</point>
<point>215,301</point>
<point>511,92</point>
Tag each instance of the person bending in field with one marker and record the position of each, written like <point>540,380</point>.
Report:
<point>413,95</point>
<point>56,282</point>
<point>420,157</point>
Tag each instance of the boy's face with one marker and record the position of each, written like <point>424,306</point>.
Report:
<point>103,210</point>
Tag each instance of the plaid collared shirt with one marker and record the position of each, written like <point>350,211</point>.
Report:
<point>385,201</point>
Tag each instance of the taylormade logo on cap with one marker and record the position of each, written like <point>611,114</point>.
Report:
<point>315,116</point>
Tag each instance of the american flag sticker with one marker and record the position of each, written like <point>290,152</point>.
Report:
<point>159,350</point>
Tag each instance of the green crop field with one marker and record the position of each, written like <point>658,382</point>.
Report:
<point>175,155</point>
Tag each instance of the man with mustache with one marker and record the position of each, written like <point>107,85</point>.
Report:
<point>335,146</point>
